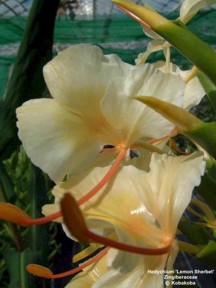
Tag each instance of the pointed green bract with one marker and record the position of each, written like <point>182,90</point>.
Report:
<point>183,120</point>
<point>205,135</point>
<point>209,88</point>
<point>200,132</point>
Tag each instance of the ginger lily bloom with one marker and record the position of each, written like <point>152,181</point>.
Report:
<point>151,202</point>
<point>92,107</point>
<point>136,212</point>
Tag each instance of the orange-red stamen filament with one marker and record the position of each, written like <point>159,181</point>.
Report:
<point>42,220</point>
<point>167,137</point>
<point>127,247</point>
<point>174,147</point>
<point>112,171</point>
<point>72,215</point>
<point>81,267</point>
<point>18,216</point>
<point>46,273</point>
<point>14,214</point>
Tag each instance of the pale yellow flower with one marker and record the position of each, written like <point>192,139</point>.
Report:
<point>141,208</point>
<point>137,208</point>
<point>92,107</point>
<point>190,8</point>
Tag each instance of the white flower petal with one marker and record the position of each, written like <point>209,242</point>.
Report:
<point>153,46</point>
<point>122,261</point>
<point>114,279</point>
<point>150,33</point>
<point>133,119</point>
<point>194,91</point>
<point>189,8</point>
<point>138,277</point>
<point>79,76</point>
<point>167,188</point>
<point>151,202</point>
<point>55,139</point>
<point>100,213</point>
<point>103,209</point>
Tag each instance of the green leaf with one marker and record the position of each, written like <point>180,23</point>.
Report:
<point>204,135</point>
<point>197,234</point>
<point>38,234</point>
<point>27,81</point>
<point>6,186</point>
<point>208,254</point>
<point>8,139</point>
<point>209,88</point>
<point>16,263</point>
<point>207,189</point>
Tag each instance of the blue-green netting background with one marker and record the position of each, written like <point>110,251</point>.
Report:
<point>105,26</point>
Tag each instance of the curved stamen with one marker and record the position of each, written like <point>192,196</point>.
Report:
<point>147,146</point>
<point>167,137</point>
<point>44,272</point>
<point>75,223</point>
<point>112,171</point>
<point>191,74</point>
<point>174,147</point>
<point>43,220</point>
<point>11,213</point>
<point>127,247</point>
<point>15,215</point>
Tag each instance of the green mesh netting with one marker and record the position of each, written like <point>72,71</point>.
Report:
<point>100,24</point>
